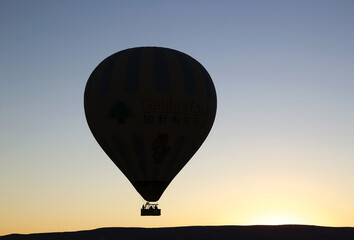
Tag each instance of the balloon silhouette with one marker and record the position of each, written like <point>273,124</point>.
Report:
<point>150,109</point>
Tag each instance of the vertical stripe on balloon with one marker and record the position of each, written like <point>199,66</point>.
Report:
<point>109,151</point>
<point>88,89</point>
<point>174,158</point>
<point>162,75</point>
<point>146,71</point>
<point>107,74</point>
<point>188,75</point>
<point>208,83</point>
<point>191,150</point>
<point>132,77</point>
<point>140,156</point>
<point>124,157</point>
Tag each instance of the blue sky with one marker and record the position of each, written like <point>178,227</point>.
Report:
<point>281,147</point>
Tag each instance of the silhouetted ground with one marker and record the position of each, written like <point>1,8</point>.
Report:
<point>288,232</point>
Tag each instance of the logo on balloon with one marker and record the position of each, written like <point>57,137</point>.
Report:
<point>121,112</point>
<point>172,106</point>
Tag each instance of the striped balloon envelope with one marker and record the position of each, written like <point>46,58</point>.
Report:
<point>150,109</point>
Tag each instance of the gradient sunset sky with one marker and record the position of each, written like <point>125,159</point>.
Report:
<point>282,147</point>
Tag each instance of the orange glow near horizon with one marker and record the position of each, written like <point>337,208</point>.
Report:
<point>274,218</point>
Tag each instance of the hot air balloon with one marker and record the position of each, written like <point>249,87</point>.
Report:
<point>150,109</point>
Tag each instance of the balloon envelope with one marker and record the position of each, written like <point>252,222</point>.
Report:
<point>150,109</point>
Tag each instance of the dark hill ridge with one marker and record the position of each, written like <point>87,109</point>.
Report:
<point>287,232</point>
